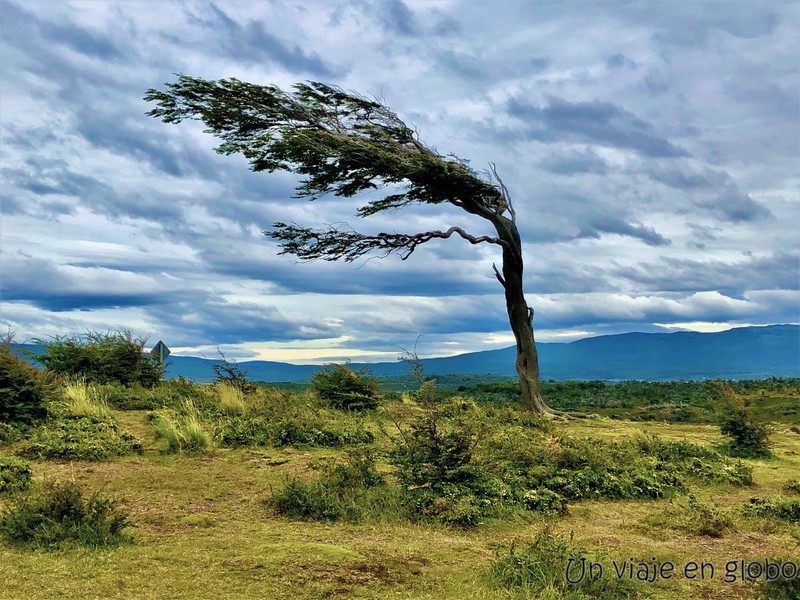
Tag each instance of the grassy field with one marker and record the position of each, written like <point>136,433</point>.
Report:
<point>203,528</point>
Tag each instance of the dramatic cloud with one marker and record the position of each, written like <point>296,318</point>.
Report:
<point>650,149</point>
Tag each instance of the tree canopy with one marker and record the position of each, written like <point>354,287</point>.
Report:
<point>342,143</point>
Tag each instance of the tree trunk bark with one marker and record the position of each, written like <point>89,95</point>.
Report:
<point>520,317</point>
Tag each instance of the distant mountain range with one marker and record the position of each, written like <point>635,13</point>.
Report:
<point>741,353</point>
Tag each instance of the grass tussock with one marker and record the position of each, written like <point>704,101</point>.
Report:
<point>183,432</point>
<point>59,515</point>
<point>86,399</point>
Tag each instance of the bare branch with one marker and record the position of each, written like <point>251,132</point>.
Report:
<point>506,204</point>
<point>334,244</point>
<point>498,275</point>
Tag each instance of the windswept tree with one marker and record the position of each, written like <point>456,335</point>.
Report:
<point>343,144</point>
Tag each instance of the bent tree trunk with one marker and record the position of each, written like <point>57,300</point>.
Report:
<point>520,317</point>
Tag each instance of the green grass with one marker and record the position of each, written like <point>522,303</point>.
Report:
<point>204,527</point>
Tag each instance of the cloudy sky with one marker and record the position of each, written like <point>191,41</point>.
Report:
<point>651,149</point>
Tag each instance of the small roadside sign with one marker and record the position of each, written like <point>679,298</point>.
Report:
<point>160,352</point>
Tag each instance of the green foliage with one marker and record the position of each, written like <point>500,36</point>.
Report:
<point>793,486</point>
<point>781,509</point>
<point>780,588</point>
<point>84,438</point>
<point>183,432</point>
<point>342,387</point>
<point>23,389</point>
<point>749,435</point>
<point>341,493</point>
<point>436,464</point>
<point>15,474</point>
<point>227,371</point>
<point>545,501</point>
<point>58,514</point>
<point>539,569</point>
<point>239,431</point>
<point>101,358</point>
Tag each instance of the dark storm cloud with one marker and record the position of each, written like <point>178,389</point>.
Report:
<point>213,320</point>
<point>572,162</point>
<point>600,225</point>
<point>49,286</point>
<point>777,271</point>
<point>252,43</point>
<point>596,122</point>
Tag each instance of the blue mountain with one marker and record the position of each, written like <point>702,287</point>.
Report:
<point>740,353</point>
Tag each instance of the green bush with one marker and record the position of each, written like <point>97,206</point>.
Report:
<point>85,438</point>
<point>23,389</point>
<point>101,358</point>
<point>781,509</point>
<point>15,474</point>
<point>58,514</point>
<point>539,570</point>
<point>779,589</point>
<point>342,387</point>
<point>240,431</point>
<point>341,493</point>
<point>437,466</point>
<point>749,436</point>
<point>544,501</point>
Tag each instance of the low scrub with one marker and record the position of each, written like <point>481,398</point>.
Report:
<point>697,518</point>
<point>541,570</point>
<point>84,438</point>
<point>298,431</point>
<point>345,491</point>
<point>15,474</point>
<point>57,515</point>
<point>342,387</point>
<point>775,509</point>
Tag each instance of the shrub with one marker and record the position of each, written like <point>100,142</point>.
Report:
<point>228,372</point>
<point>436,465</point>
<point>23,390</point>
<point>15,474</point>
<point>58,514</point>
<point>749,436</point>
<point>544,501</point>
<point>342,387</point>
<point>792,486</point>
<point>780,509</point>
<point>539,569</point>
<point>340,493</point>
<point>84,438</point>
<point>778,589</point>
<point>101,358</point>
<point>242,431</point>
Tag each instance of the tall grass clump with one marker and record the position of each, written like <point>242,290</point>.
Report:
<point>183,432</point>
<point>57,515</point>
<point>85,399</point>
<point>232,399</point>
<point>539,570</point>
